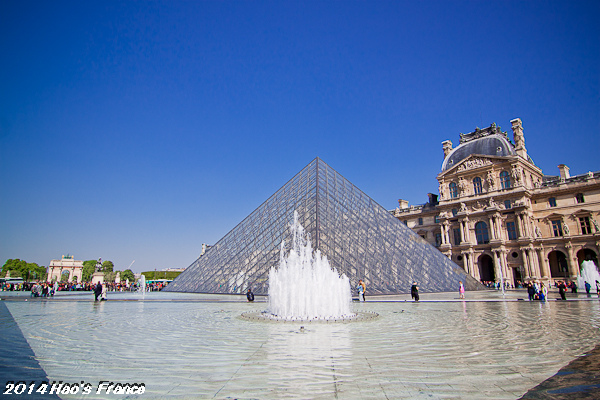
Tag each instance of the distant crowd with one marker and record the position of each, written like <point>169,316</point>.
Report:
<point>45,289</point>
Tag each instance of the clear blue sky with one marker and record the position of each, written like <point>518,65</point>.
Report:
<point>139,130</point>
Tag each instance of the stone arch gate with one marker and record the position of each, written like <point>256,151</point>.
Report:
<point>65,264</point>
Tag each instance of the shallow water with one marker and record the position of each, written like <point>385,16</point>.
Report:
<point>197,346</point>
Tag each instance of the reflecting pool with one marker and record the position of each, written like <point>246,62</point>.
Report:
<point>197,346</point>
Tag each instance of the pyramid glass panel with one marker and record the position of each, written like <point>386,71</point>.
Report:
<point>359,237</point>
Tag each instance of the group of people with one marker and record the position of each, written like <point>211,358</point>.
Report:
<point>537,291</point>
<point>100,290</point>
<point>43,289</point>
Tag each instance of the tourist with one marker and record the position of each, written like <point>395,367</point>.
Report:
<point>543,292</point>
<point>598,288</point>
<point>588,287</point>
<point>250,295</point>
<point>97,291</point>
<point>573,287</point>
<point>530,291</point>
<point>364,289</point>
<point>414,291</point>
<point>461,290</point>
<point>361,290</point>
<point>104,292</point>
<point>562,289</point>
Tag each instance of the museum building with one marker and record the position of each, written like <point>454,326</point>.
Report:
<point>499,217</point>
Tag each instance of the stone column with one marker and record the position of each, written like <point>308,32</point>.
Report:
<point>526,264</point>
<point>445,233</point>
<point>498,226</point>
<point>535,263</point>
<point>491,228</point>
<point>474,268</point>
<point>496,266</point>
<point>543,263</point>
<point>573,267</point>
<point>465,262</point>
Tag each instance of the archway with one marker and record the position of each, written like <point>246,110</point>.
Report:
<point>486,268</point>
<point>517,278</point>
<point>559,268</point>
<point>65,275</point>
<point>586,255</point>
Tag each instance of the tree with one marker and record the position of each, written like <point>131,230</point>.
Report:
<point>23,269</point>
<point>128,274</point>
<point>109,276</point>
<point>107,266</point>
<point>89,267</point>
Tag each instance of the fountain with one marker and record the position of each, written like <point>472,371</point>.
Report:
<point>304,287</point>
<point>142,284</point>
<point>589,273</point>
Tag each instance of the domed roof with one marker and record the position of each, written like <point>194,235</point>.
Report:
<point>496,144</point>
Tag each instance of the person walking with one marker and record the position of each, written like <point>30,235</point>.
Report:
<point>414,291</point>
<point>562,288</point>
<point>461,290</point>
<point>250,295</point>
<point>97,291</point>
<point>104,292</point>
<point>588,288</point>
<point>361,290</point>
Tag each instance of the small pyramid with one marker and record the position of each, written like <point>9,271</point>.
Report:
<point>359,237</point>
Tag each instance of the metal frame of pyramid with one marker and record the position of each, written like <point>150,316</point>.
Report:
<point>359,237</point>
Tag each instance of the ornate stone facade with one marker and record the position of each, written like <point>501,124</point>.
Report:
<point>499,216</point>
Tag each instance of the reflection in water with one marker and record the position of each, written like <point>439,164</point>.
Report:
<point>204,350</point>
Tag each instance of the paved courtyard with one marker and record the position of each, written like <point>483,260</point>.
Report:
<point>197,346</point>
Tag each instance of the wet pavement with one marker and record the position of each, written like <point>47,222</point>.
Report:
<point>490,345</point>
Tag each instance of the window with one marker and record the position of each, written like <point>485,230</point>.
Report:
<point>557,227</point>
<point>579,198</point>
<point>511,229</point>
<point>505,180</point>
<point>454,212</point>
<point>477,185</point>
<point>552,201</point>
<point>436,219</point>
<point>507,204</point>
<point>406,222</point>
<point>438,239</point>
<point>424,236</point>
<point>420,221</point>
<point>481,232</point>
<point>453,190</point>
<point>456,232</point>
<point>586,228</point>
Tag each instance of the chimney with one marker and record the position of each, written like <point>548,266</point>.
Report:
<point>564,172</point>
<point>433,199</point>
<point>517,128</point>
<point>403,203</point>
<point>447,146</point>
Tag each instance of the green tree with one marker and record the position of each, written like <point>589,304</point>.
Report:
<point>23,269</point>
<point>110,276</point>
<point>107,266</point>
<point>127,274</point>
<point>89,267</point>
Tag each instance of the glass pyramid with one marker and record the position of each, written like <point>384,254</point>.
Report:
<point>359,237</point>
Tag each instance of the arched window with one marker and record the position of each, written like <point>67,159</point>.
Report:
<point>477,185</point>
<point>505,180</point>
<point>453,190</point>
<point>481,232</point>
